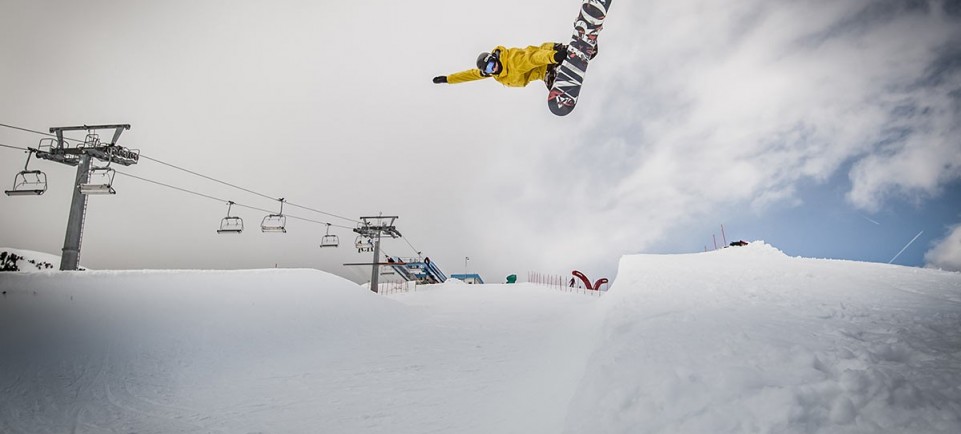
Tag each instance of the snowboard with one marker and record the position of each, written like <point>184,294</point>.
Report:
<point>570,72</point>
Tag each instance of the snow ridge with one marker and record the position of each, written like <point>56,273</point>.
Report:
<point>748,339</point>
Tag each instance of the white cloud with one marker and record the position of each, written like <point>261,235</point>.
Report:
<point>917,165</point>
<point>946,254</point>
<point>714,104</point>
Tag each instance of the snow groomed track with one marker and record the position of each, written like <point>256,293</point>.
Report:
<point>743,339</point>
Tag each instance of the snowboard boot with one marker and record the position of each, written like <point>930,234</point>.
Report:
<point>550,76</point>
<point>563,47</point>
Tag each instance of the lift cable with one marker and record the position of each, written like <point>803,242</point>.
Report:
<point>195,174</point>
<point>244,189</point>
<point>207,177</point>
<point>417,252</point>
<point>207,196</point>
<point>13,147</point>
<point>35,132</point>
<point>321,212</point>
<point>211,179</point>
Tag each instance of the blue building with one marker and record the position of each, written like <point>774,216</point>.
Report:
<point>422,271</point>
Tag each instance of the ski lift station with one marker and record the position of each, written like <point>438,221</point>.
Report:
<point>408,269</point>
<point>418,270</point>
<point>473,279</point>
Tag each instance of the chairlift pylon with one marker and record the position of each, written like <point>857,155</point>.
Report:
<point>329,240</point>
<point>275,222</point>
<point>28,182</point>
<point>231,224</point>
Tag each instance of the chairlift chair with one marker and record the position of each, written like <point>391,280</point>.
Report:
<point>28,182</point>
<point>92,140</point>
<point>275,222</point>
<point>47,144</point>
<point>329,240</point>
<point>363,244</point>
<point>100,181</point>
<point>231,224</point>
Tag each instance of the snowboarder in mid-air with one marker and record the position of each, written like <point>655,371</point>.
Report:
<point>560,66</point>
<point>514,67</point>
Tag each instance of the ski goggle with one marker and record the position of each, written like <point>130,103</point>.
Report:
<point>491,66</point>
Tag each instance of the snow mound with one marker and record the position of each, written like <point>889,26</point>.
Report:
<point>147,351</point>
<point>748,339</point>
<point>744,339</point>
<point>280,351</point>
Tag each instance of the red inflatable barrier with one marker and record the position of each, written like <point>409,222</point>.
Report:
<point>587,283</point>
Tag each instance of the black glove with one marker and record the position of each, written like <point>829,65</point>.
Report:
<point>561,53</point>
<point>440,79</point>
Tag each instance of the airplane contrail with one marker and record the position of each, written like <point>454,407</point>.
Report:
<point>906,247</point>
<point>872,221</point>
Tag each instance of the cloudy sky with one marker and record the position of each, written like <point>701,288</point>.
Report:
<point>829,129</point>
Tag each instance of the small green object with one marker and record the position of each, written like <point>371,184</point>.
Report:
<point>512,278</point>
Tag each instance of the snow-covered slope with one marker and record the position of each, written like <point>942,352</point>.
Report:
<point>178,351</point>
<point>279,351</point>
<point>750,340</point>
<point>739,340</point>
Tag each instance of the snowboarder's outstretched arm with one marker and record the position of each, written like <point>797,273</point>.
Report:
<point>460,77</point>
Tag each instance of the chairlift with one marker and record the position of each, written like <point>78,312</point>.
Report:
<point>28,182</point>
<point>364,244</point>
<point>47,144</point>
<point>99,181</point>
<point>231,224</point>
<point>92,140</point>
<point>329,240</point>
<point>275,222</point>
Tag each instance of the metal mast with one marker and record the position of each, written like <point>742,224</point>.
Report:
<point>79,155</point>
<point>374,228</point>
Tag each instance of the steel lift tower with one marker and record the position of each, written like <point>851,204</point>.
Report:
<point>79,155</point>
<point>373,228</point>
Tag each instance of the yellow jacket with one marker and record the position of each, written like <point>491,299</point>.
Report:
<point>520,66</point>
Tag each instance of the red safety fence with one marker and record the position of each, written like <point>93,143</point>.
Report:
<point>561,283</point>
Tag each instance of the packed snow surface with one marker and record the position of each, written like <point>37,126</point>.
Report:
<point>739,340</point>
